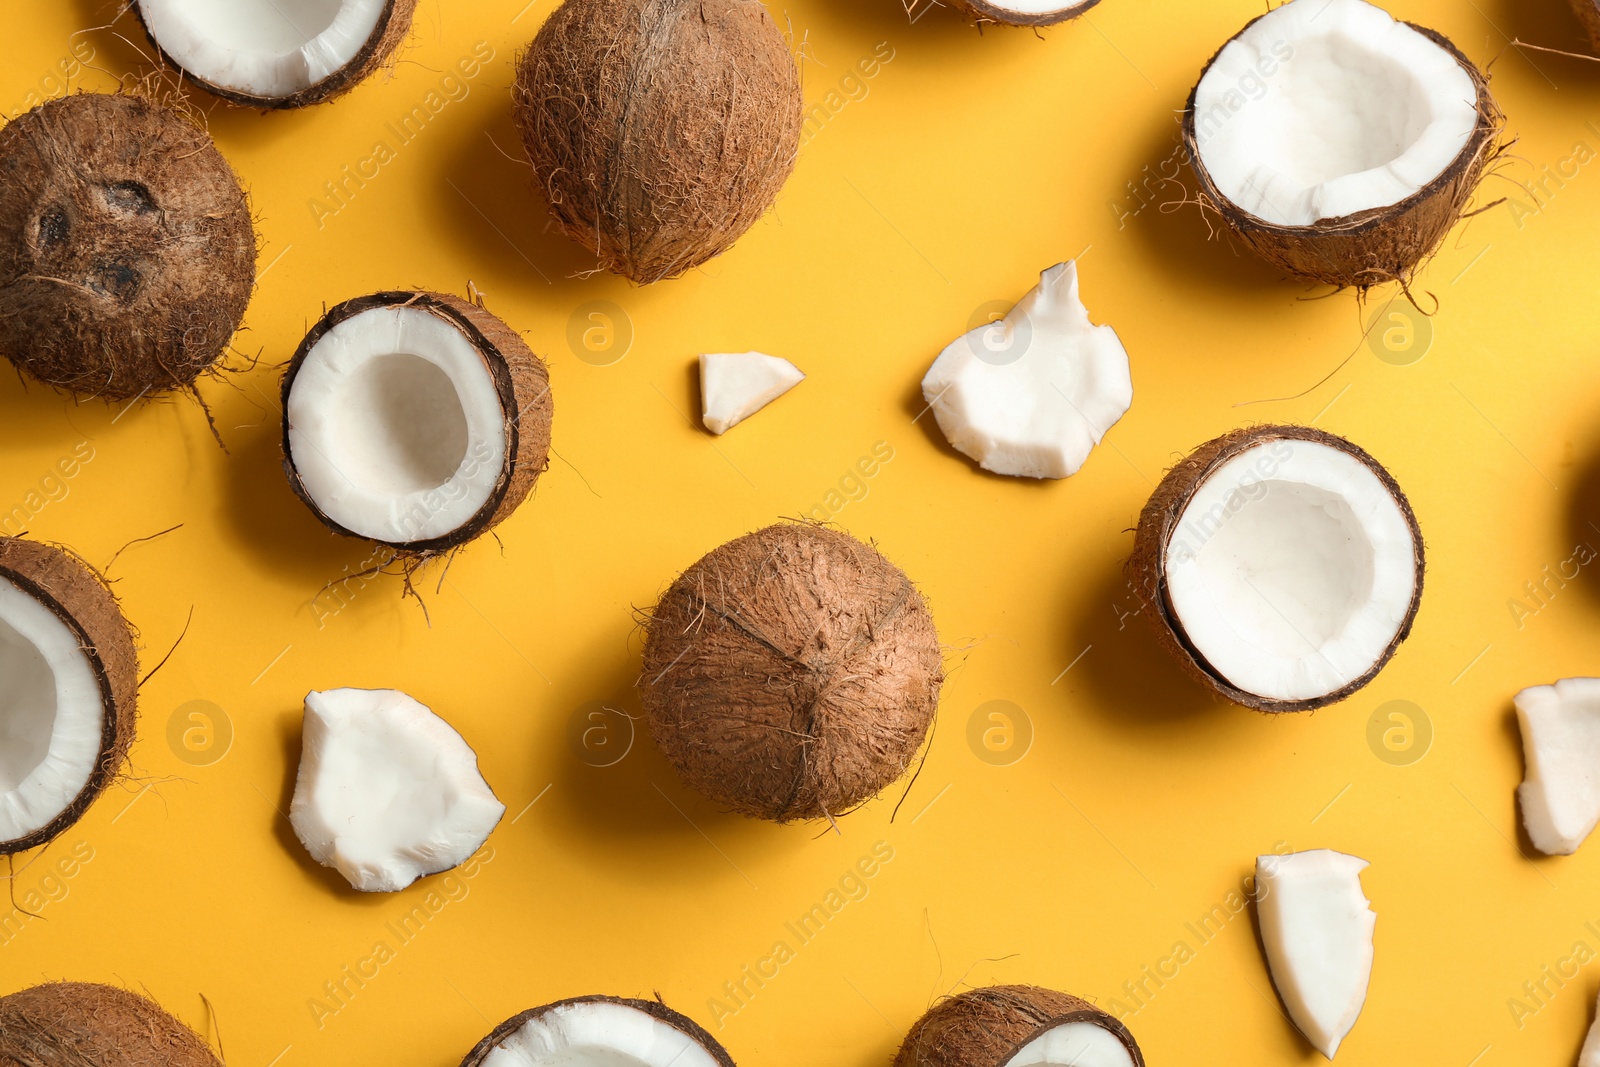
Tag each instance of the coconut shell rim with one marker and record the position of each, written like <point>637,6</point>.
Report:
<point>394,24</point>
<point>117,723</point>
<point>499,367</point>
<point>656,1009</point>
<point>1081,1011</point>
<point>988,11</point>
<point>1147,565</point>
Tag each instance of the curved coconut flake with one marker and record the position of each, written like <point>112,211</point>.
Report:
<point>599,1032</point>
<point>1032,394</point>
<point>417,420</point>
<point>735,386</point>
<point>1560,794</point>
<point>1316,925</point>
<point>1359,112</point>
<point>387,791</point>
<point>276,53</point>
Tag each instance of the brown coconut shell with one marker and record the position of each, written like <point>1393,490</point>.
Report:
<point>127,255</point>
<point>80,597</point>
<point>1588,12</point>
<point>520,377</point>
<point>985,11</point>
<point>659,130</point>
<point>1147,567</point>
<point>394,25</point>
<point>1371,247</point>
<point>654,1008</point>
<point>82,1024</point>
<point>986,1027</point>
<point>792,673</point>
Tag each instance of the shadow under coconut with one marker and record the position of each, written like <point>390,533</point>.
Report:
<point>1511,737</point>
<point>1548,24</point>
<point>290,728</point>
<point>1308,1051</point>
<point>916,408</point>
<point>1583,536</point>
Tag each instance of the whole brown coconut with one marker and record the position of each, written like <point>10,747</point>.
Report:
<point>987,1027</point>
<point>81,599</point>
<point>82,1024</point>
<point>127,254</point>
<point>1588,12</point>
<point>1373,247</point>
<point>792,673</point>
<point>553,1016</point>
<point>659,130</point>
<point>998,11</point>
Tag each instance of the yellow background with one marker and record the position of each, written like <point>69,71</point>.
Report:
<point>970,163</point>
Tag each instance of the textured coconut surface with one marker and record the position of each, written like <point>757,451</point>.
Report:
<point>1086,815</point>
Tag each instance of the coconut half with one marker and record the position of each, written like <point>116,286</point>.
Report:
<point>599,1031</point>
<point>1316,925</point>
<point>1024,12</point>
<point>68,1024</point>
<point>276,53</point>
<point>69,681</point>
<point>414,419</point>
<point>734,386</point>
<point>1560,792</point>
<point>127,254</point>
<point>1018,1026</point>
<point>1284,565</point>
<point>387,792</point>
<point>1339,143</point>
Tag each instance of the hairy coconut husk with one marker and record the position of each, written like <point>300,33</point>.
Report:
<point>1588,12</point>
<point>127,255</point>
<point>1371,247</point>
<point>654,1008</point>
<point>81,598</point>
<point>393,27</point>
<point>986,1027</point>
<point>983,11</point>
<point>521,378</point>
<point>1146,568</point>
<point>792,673</point>
<point>659,130</point>
<point>83,1024</point>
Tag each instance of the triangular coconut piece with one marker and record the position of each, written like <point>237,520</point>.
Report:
<point>1316,925</point>
<point>1560,793</point>
<point>734,386</point>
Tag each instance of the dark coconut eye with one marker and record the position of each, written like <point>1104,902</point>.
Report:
<point>53,228</point>
<point>118,279</point>
<point>131,197</point>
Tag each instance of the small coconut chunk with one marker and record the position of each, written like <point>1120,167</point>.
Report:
<point>1560,793</point>
<point>1032,394</point>
<point>599,1032</point>
<point>387,791</point>
<point>1317,925</point>
<point>735,386</point>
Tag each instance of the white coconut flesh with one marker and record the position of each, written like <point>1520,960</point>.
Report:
<point>1560,792</point>
<point>1074,1044</point>
<point>734,386</point>
<point>598,1034</point>
<point>396,429</point>
<point>387,791</point>
<point>51,715</point>
<point>1316,925</point>
<point>1291,570</point>
<point>264,48</point>
<point>1035,8</point>
<point>1031,394</point>
<point>1326,108</point>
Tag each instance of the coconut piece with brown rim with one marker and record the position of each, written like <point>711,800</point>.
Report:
<point>127,254</point>
<point>276,53</point>
<point>598,1031</point>
<point>417,420</point>
<point>792,673</point>
<point>1024,12</point>
<point>1281,565</point>
<point>1339,143</point>
<point>1018,1026</point>
<point>75,1024</point>
<point>69,680</point>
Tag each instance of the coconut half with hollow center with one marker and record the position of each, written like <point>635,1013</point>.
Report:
<point>127,254</point>
<point>68,1024</point>
<point>1018,1026</point>
<point>276,53</point>
<point>792,673</point>
<point>69,681</point>
<point>1024,12</point>
<point>1339,143</point>
<point>599,1031</point>
<point>1281,565</point>
<point>417,420</point>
